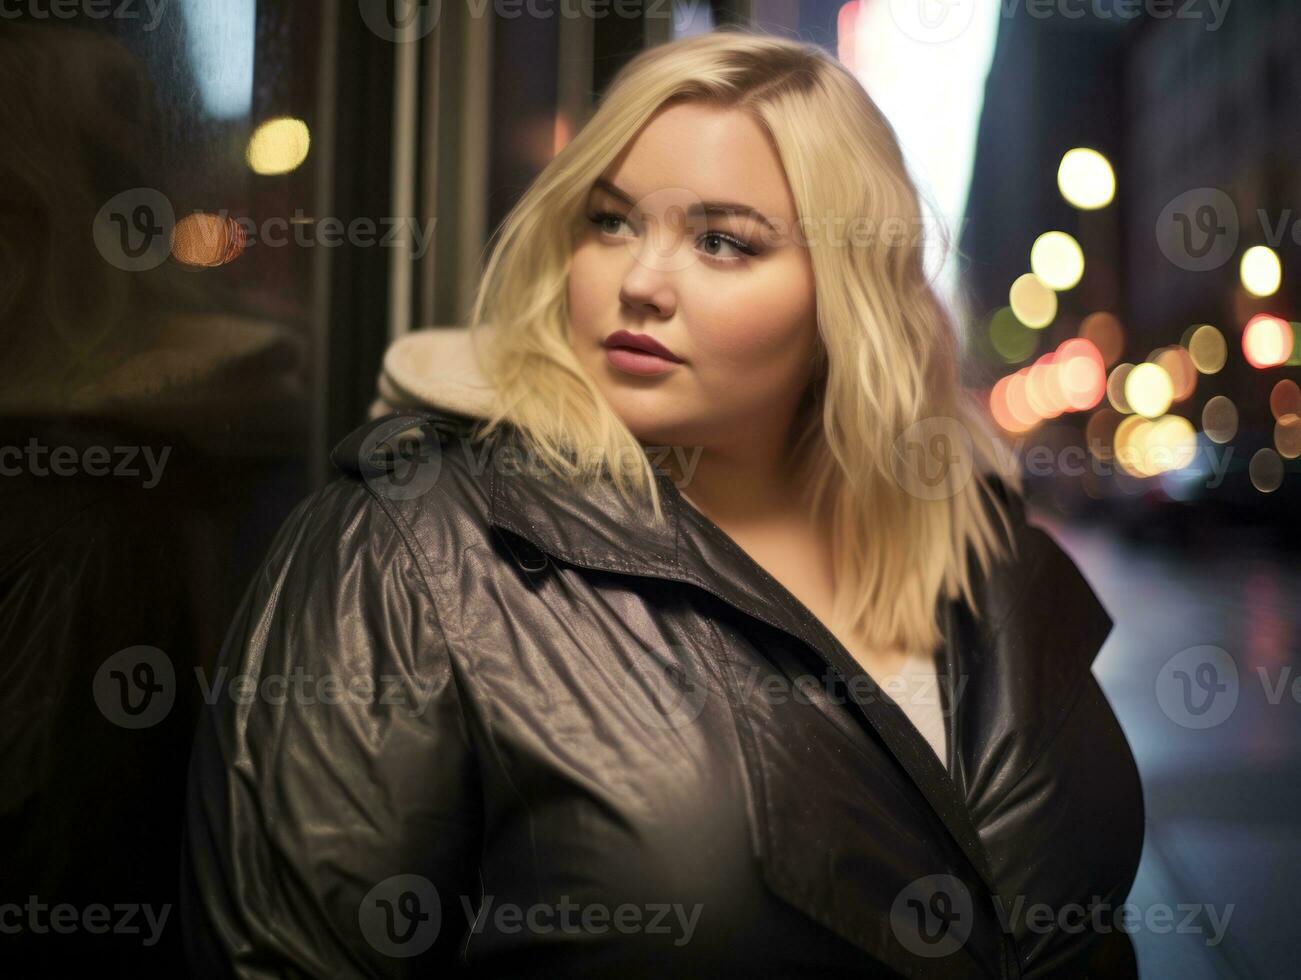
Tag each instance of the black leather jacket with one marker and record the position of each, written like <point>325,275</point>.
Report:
<point>495,726</point>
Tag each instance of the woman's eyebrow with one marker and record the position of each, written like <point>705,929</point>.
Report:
<point>704,207</point>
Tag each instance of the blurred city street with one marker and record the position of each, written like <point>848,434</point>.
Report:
<point>1222,801</point>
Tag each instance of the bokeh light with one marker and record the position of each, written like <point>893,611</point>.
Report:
<point>1208,349</point>
<point>1261,271</point>
<point>278,146</point>
<point>1266,470</point>
<point>1128,452</point>
<point>1011,339</point>
<point>1149,390</point>
<point>1057,259</point>
<point>1104,331</point>
<point>1285,399</point>
<point>1086,179</point>
<point>1287,437</point>
<point>1116,388</point>
<point>1220,419</point>
<point>1032,301</point>
<point>1177,363</point>
<point>1100,433</point>
<point>1267,341</point>
<point>1081,375</point>
<point>207,240</point>
<point>1146,447</point>
<point>1007,404</point>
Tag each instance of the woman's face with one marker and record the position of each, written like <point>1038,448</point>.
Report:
<point>731,298</point>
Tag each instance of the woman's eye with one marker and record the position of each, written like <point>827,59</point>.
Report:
<point>602,221</point>
<point>716,240</point>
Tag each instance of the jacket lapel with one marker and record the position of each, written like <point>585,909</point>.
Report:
<point>597,528</point>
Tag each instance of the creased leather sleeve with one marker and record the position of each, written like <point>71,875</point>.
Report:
<point>333,813</point>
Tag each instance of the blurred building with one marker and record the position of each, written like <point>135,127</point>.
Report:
<point>1196,112</point>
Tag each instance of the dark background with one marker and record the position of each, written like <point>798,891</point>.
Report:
<point>247,370</point>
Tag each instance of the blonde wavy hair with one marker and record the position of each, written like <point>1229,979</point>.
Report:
<point>886,381</point>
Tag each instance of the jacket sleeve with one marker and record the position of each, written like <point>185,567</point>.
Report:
<point>333,822</point>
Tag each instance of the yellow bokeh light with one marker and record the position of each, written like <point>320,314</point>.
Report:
<point>1032,302</point>
<point>1171,445</point>
<point>1086,179</point>
<point>1149,448</point>
<point>1261,270</point>
<point>1058,260</point>
<point>1149,390</point>
<point>1128,445</point>
<point>1208,349</point>
<point>278,146</point>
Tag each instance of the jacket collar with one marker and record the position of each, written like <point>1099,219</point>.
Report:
<point>595,527</point>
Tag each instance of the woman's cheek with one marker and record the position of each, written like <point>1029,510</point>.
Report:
<point>587,286</point>
<point>754,325</point>
<point>756,332</point>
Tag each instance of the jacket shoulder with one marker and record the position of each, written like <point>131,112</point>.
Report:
<point>367,445</point>
<point>1036,579</point>
<point>428,470</point>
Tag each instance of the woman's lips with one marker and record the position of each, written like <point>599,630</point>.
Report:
<point>638,353</point>
<point>638,362</point>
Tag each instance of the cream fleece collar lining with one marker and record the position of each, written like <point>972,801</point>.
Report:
<point>433,368</point>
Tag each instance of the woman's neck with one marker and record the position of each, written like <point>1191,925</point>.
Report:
<point>744,484</point>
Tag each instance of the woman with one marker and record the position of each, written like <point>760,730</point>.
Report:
<point>617,663</point>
